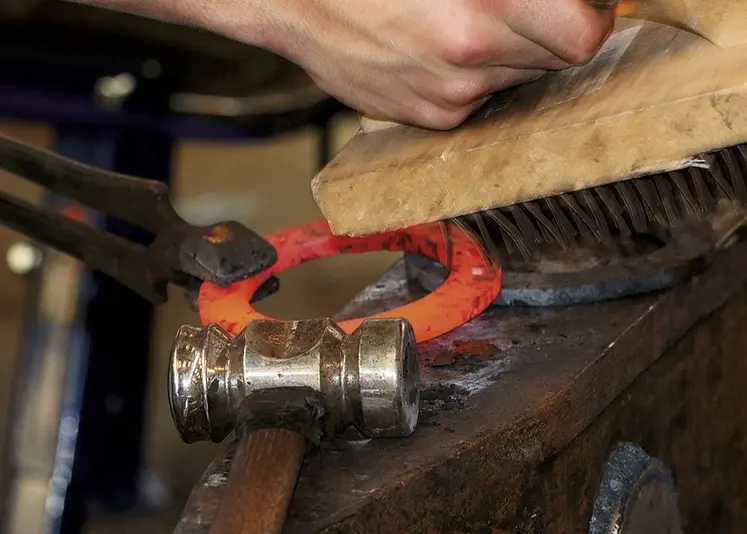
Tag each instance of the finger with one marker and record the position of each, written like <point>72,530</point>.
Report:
<point>401,106</point>
<point>449,102</point>
<point>490,42</point>
<point>522,53</point>
<point>500,78</point>
<point>572,30</point>
<point>444,111</point>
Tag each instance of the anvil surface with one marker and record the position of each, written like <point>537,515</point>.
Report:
<point>521,407</point>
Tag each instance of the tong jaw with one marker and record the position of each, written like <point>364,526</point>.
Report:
<point>180,253</point>
<point>224,253</point>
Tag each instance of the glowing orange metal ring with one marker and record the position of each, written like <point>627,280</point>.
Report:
<point>469,289</point>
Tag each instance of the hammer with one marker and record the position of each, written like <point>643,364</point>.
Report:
<point>283,386</point>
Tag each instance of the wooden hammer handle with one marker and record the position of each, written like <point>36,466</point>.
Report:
<point>260,484</point>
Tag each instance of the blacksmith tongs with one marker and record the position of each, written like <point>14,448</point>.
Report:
<point>180,253</point>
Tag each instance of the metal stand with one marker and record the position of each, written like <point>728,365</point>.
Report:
<point>114,367</point>
<point>46,407</point>
<point>92,375</point>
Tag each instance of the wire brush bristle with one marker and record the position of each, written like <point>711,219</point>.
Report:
<point>609,213</point>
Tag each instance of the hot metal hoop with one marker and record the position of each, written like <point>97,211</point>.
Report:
<point>472,285</point>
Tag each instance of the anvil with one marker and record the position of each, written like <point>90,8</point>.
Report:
<point>528,414</point>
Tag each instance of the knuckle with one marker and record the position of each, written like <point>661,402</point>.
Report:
<point>462,91</point>
<point>465,45</point>
<point>443,119</point>
<point>584,44</point>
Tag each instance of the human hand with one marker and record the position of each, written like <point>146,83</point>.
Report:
<point>422,62</point>
<point>430,63</point>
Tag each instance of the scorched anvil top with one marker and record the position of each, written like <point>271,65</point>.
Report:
<point>522,406</point>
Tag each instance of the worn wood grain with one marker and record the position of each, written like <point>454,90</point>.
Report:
<point>260,484</point>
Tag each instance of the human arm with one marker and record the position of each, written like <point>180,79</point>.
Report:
<point>413,61</point>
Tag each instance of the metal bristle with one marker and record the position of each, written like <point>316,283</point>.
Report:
<point>525,225</point>
<point>734,171</point>
<point>600,222</point>
<point>511,234</point>
<point>682,192</point>
<point>550,232</point>
<point>485,241</point>
<point>446,236</point>
<point>584,223</point>
<point>719,177</point>
<point>666,199</point>
<point>631,205</point>
<point>614,212</point>
<point>703,197</point>
<point>565,226</point>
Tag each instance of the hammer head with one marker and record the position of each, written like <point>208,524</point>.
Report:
<point>388,377</point>
<point>369,379</point>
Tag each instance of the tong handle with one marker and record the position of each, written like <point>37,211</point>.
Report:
<point>140,202</point>
<point>132,265</point>
<point>180,253</point>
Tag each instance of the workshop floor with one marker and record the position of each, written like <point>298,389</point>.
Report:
<point>263,185</point>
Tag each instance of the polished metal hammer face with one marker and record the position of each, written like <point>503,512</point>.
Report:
<point>369,379</point>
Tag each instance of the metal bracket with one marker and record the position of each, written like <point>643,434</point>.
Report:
<point>637,495</point>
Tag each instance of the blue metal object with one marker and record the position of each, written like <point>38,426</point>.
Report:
<point>114,368</point>
<point>18,102</point>
<point>48,393</point>
<point>97,380</point>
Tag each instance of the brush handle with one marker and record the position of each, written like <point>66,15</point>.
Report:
<point>622,7</point>
<point>369,125</point>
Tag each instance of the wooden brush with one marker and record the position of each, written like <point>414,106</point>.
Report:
<point>637,137</point>
<point>622,214</point>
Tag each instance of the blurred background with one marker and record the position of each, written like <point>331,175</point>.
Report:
<point>87,439</point>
